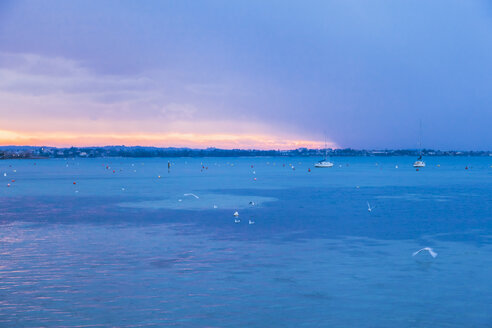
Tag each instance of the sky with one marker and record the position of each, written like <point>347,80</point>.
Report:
<point>247,74</point>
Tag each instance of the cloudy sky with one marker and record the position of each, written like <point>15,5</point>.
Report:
<point>249,74</point>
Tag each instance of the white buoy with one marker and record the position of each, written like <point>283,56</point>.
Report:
<point>430,250</point>
<point>215,206</point>
<point>236,214</point>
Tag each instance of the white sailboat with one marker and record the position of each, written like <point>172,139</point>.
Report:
<point>420,162</point>
<point>324,162</point>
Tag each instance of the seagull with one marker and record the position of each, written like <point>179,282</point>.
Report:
<point>252,203</point>
<point>369,208</point>
<point>237,220</point>
<point>236,214</point>
<point>251,222</point>
<point>191,195</point>
<point>430,250</point>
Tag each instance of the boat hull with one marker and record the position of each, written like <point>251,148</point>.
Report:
<point>323,164</point>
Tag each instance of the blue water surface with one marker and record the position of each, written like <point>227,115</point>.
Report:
<point>116,242</point>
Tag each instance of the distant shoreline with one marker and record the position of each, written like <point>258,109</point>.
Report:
<point>31,152</point>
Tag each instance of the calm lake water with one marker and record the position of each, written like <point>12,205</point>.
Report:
<point>116,242</point>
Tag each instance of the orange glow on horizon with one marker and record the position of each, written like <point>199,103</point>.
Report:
<point>228,141</point>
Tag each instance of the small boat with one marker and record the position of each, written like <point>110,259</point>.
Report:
<point>420,162</point>
<point>324,162</point>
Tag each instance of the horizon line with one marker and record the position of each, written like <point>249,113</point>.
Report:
<point>245,149</point>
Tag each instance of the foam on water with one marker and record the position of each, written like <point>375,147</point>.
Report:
<point>205,201</point>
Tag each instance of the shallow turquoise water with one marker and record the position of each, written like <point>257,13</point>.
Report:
<point>129,249</point>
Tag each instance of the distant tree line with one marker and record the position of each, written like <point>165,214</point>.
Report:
<point>11,152</point>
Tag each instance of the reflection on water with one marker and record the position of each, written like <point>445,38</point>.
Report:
<point>314,257</point>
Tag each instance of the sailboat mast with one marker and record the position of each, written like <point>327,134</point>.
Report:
<point>420,139</point>
<point>326,150</point>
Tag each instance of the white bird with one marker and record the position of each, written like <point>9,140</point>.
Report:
<point>215,206</point>
<point>430,250</point>
<point>252,203</point>
<point>251,222</point>
<point>237,220</point>
<point>191,195</point>
<point>369,208</point>
<point>236,214</point>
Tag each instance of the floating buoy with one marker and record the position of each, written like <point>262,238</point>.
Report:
<point>5,174</point>
<point>215,206</point>
<point>114,171</point>
<point>13,180</point>
<point>74,182</point>
<point>8,184</point>
<point>309,170</point>
<point>254,179</point>
<point>159,176</point>
<point>466,167</point>
<point>416,169</point>
<point>396,166</point>
<point>251,166</point>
